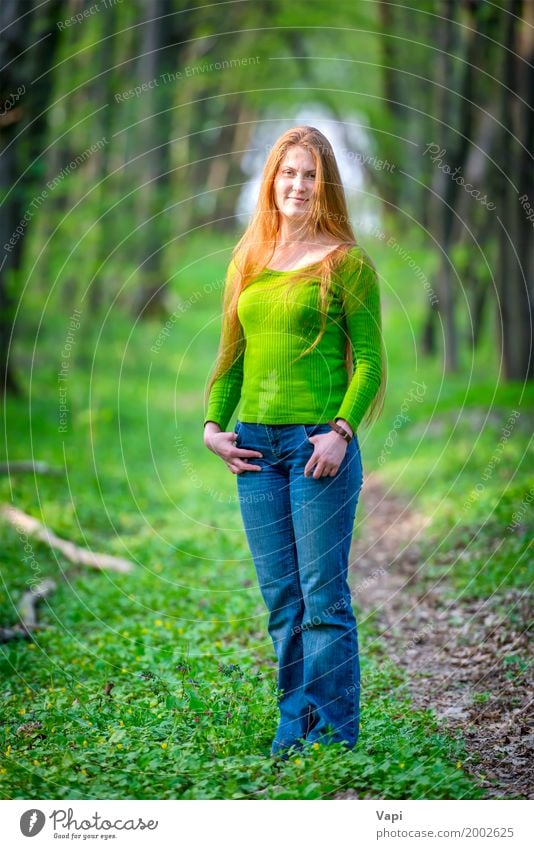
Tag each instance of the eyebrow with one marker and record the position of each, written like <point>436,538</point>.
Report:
<point>292,168</point>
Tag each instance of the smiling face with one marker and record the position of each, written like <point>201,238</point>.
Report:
<point>295,183</point>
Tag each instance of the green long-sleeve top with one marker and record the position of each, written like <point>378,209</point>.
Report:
<point>279,320</point>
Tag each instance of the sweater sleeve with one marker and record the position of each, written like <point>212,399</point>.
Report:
<point>226,389</point>
<point>225,394</point>
<point>361,301</point>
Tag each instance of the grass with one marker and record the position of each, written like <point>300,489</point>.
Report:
<point>183,639</point>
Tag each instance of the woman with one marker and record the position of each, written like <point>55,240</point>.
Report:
<point>301,349</point>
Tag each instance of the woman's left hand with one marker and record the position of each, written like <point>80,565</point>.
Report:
<point>329,450</point>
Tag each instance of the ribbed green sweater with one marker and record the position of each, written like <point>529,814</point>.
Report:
<point>279,320</point>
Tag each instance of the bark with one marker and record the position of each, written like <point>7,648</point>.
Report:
<point>515,278</point>
<point>27,611</point>
<point>72,552</point>
<point>154,141</point>
<point>38,467</point>
<point>29,36</point>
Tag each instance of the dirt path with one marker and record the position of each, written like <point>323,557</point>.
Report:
<point>466,660</point>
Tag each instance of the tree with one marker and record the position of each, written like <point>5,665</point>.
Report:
<point>29,37</point>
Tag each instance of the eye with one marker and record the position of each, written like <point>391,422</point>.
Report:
<point>289,171</point>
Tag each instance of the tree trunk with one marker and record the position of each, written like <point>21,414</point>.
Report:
<point>27,50</point>
<point>515,238</point>
<point>154,164</point>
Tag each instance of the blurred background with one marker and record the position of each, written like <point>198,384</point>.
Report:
<point>132,139</point>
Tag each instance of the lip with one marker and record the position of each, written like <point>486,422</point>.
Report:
<point>299,200</point>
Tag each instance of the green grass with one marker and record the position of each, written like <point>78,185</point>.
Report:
<point>183,638</point>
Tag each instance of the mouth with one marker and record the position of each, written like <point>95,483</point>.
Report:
<point>298,200</point>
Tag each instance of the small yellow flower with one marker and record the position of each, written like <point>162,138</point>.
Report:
<point>458,764</point>
<point>121,722</point>
<point>31,646</point>
<point>158,623</point>
<point>218,644</point>
<point>83,771</point>
<point>163,745</point>
<point>22,711</point>
<point>401,766</point>
<point>298,762</point>
<point>119,745</point>
<point>8,751</point>
<point>316,746</point>
<point>36,763</point>
<point>181,630</point>
<point>124,669</point>
<point>84,743</point>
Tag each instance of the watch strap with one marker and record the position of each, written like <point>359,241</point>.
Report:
<point>341,430</point>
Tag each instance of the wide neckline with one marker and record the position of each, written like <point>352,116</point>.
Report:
<point>303,267</point>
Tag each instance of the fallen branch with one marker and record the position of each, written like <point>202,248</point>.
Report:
<point>39,467</point>
<point>17,632</point>
<point>76,554</point>
<point>27,610</point>
<point>27,605</point>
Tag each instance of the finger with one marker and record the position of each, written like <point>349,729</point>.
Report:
<point>247,467</point>
<point>248,452</point>
<point>309,465</point>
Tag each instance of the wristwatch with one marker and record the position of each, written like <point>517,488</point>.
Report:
<point>341,430</point>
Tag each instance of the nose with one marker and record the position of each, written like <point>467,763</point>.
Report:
<point>298,182</point>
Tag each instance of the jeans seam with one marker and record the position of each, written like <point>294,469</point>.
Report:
<point>341,582</point>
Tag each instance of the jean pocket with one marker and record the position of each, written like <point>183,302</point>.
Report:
<point>237,430</point>
<point>314,429</point>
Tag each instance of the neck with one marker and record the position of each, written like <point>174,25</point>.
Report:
<point>291,232</point>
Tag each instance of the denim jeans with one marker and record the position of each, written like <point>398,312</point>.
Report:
<point>299,531</point>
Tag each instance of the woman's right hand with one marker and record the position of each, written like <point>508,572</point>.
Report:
<point>222,443</point>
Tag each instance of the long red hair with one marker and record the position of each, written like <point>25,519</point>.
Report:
<point>326,215</point>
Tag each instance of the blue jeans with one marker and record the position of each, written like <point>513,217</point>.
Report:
<point>299,531</point>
